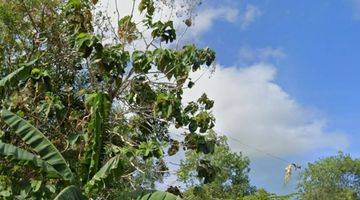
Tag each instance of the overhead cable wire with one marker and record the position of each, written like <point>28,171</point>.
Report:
<point>260,150</point>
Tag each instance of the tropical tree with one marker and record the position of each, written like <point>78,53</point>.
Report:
<point>335,177</point>
<point>262,194</point>
<point>225,173</point>
<point>82,117</point>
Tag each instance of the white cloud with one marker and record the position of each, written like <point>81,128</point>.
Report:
<point>250,107</point>
<point>205,19</point>
<point>251,14</point>
<point>248,55</point>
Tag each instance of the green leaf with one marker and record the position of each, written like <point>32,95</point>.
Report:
<point>51,187</point>
<point>25,156</point>
<point>85,43</point>
<point>70,193</point>
<point>148,5</point>
<point>142,61</point>
<point>165,31</point>
<point>5,193</point>
<point>207,171</point>
<point>199,143</point>
<point>100,106</point>
<point>14,77</point>
<point>159,195</point>
<point>104,172</point>
<point>35,185</point>
<point>73,139</point>
<point>74,3</point>
<point>38,142</point>
<point>21,73</point>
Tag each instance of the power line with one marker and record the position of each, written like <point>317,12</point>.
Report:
<point>176,164</point>
<point>256,149</point>
<point>261,151</point>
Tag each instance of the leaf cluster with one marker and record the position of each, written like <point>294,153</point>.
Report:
<point>79,114</point>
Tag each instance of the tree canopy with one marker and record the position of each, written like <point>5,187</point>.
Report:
<point>229,178</point>
<point>79,112</point>
<point>87,114</point>
<point>335,177</point>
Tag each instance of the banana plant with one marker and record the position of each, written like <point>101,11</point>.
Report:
<point>39,143</point>
<point>21,74</point>
<point>70,193</point>
<point>50,160</point>
<point>22,155</point>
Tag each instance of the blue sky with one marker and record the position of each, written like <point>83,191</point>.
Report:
<point>317,59</point>
<point>286,80</point>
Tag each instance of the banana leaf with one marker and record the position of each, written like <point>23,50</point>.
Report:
<point>39,143</point>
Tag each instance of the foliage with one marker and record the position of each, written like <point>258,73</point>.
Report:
<point>262,194</point>
<point>39,143</point>
<point>80,115</point>
<point>335,177</point>
<point>230,179</point>
<point>159,196</point>
<point>104,172</point>
<point>70,193</point>
<point>99,106</point>
<point>17,76</point>
<point>21,155</point>
<point>84,116</point>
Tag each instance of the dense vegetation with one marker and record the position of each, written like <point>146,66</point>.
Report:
<point>335,177</point>
<point>82,117</point>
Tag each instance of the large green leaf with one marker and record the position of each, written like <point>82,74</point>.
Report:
<point>70,193</point>
<point>159,195</point>
<point>38,142</point>
<point>99,105</point>
<point>104,172</point>
<point>14,77</point>
<point>22,155</point>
